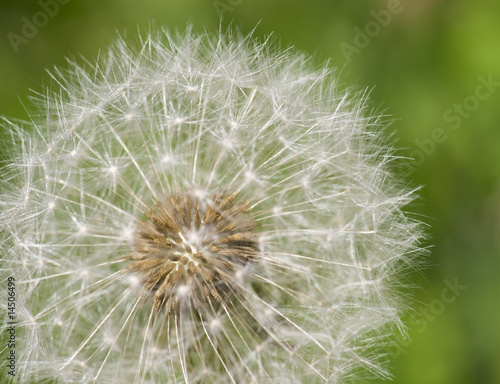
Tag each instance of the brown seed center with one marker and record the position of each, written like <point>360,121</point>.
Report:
<point>193,250</point>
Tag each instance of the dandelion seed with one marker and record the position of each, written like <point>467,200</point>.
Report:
<point>202,210</point>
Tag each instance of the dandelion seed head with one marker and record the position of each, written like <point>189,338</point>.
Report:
<point>113,170</point>
<point>130,116</point>
<point>203,209</point>
<point>134,281</point>
<point>166,159</point>
<point>82,230</point>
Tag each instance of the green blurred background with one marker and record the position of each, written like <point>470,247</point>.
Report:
<point>433,65</point>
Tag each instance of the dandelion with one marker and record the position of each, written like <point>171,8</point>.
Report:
<point>202,210</point>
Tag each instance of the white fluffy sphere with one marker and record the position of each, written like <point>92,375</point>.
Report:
<point>202,210</point>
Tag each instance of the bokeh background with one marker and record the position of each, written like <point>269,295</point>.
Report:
<point>433,66</point>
